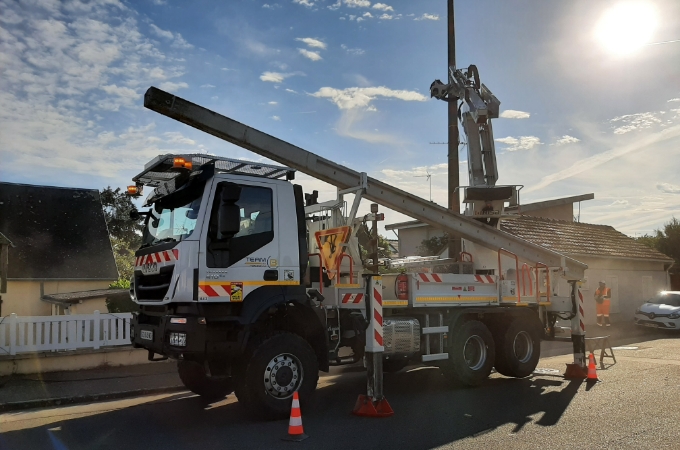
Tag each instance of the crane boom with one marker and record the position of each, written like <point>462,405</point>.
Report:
<point>343,177</point>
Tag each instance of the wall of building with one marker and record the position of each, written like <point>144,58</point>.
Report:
<point>411,238</point>
<point>562,212</point>
<point>23,297</point>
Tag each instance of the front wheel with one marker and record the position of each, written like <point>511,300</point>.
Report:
<point>471,353</point>
<point>280,365</point>
<point>193,376</point>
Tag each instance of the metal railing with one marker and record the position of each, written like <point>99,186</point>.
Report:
<point>28,334</point>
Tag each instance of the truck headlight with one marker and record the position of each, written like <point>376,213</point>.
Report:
<point>178,339</point>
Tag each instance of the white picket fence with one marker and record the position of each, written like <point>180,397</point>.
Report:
<point>25,334</point>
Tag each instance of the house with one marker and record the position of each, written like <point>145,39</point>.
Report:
<point>632,270</point>
<point>60,245</point>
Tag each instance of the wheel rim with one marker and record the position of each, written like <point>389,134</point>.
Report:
<point>283,376</point>
<point>523,346</point>
<point>474,352</point>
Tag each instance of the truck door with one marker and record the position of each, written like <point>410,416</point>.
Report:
<point>230,268</point>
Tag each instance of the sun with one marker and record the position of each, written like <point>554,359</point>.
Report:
<point>626,27</point>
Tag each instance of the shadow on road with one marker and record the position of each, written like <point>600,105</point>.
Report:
<point>429,413</point>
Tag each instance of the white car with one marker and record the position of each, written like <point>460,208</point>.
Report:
<point>662,311</point>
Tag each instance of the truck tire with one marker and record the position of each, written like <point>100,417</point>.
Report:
<point>281,364</point>
<point>194,378</point>
<point>471,353</point>
<point>518,348</point>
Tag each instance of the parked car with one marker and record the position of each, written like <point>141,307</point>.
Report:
<point>662,311</point>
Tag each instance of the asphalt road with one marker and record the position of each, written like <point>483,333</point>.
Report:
<point>634,406</point>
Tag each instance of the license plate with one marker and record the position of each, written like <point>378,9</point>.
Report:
<point>150,268</point>
<point>651,325</point>
<point>146,334</point>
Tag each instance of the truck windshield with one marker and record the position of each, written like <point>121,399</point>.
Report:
<point>167,224</point>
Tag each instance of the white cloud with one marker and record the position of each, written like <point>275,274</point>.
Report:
<point>383,7</point>
<point>357,3</point>
<point>513,114</point>
<point>674,100</point>
<point>277,77</point>
<point>368,15</point>
<point>274,6</point>
<point>352,51</point>
<point>521,143</point>
<point>335,5</point>
<point>226,69</point>
<point>633,122</point>
<point>171,86</point>
<point>208,86</point>
<point>177,40</point>
<point>358,97</point>
<point>175,137</point>
<point>307,3</point>
<point>386,17</point>
<point>315,43</point>
<point>566,139</point>
<point>428,17</point>
<point>314,56</point>
<point>291,91</point>
<point>161,33</point>
<point>273,103</point>
<point>276,118</point>
<point>668,188</point>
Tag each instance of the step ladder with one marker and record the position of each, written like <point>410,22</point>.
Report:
<point>427,330</point>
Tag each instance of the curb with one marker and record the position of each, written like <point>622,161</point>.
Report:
<point>47,402</point>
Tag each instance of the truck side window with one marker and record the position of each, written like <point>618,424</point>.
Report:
<point>256,230</point>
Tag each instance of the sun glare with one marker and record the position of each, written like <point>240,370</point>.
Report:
<point>626,27</point>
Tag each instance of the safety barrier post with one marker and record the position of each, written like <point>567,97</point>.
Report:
<point>577,370</point>
<point>373,404</point>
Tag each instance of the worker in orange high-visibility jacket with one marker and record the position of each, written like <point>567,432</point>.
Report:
<point>603,296</point>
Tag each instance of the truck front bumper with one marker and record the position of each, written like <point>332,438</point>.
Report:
<point>171,336</point>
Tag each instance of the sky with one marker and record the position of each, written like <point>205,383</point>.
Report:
<point>349,80</point>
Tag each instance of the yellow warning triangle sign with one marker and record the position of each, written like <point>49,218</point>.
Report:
<point>330,246</point>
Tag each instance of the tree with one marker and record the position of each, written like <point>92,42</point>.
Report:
<point>366,245</point>
<point>667,241</point>
<point>125,233</point>
<point>433,246</point>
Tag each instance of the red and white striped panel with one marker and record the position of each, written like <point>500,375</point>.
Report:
<point>352,298</point>
<point>377,314</point>
<point>484,279</point>
<point>158,257</point>
<point>214,290</point>
<point>429,278</point>
<point>581,314</point>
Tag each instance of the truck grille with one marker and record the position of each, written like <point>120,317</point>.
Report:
<point>153,287</point>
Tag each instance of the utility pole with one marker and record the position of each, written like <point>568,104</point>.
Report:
<point>454,178</point>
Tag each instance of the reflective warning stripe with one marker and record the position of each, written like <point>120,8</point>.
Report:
<point>484,279</point>
<point>158,257</point>
<point>395,302</point>
<point>455,299</point>
<point>377,314</point>
<point>352,298</point>
<point>429,278</point>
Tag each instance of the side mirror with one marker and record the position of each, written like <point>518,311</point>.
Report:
<point>229,217</point>
<point>134,215</point>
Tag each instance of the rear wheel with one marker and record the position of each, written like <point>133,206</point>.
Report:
<point>193,376</point>
<point>471,353</point>
<point>280,365</point>
<point>518,348</point>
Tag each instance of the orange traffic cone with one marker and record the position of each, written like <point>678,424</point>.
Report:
<point>295,431</point>
<point>592,368</point>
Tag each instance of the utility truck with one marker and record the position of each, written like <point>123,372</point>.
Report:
<point>255,287</point>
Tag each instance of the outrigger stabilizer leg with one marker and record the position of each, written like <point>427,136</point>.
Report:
<point>577,369</point>
<point>373,404</point>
